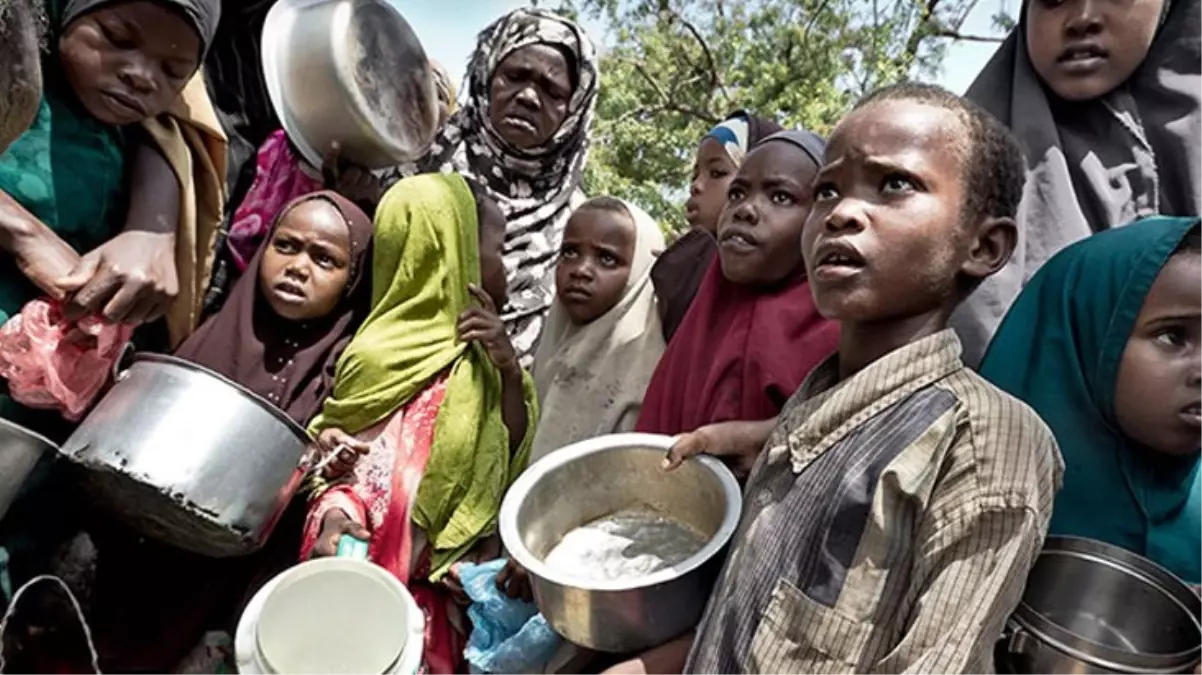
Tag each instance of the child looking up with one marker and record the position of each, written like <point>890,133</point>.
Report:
<point>900,500</point>
<point>284,327</point>
<point>1106,101</point>
<point>678,271</point>
<point>602,339</point>
<point>1104,343</point>
<point>753,332</point>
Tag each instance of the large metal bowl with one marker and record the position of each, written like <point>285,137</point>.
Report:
<point>189,457</point>
<point>351,72</point>
<point>20,450</point>
<point>1090,607</point>
<point>598,477</point>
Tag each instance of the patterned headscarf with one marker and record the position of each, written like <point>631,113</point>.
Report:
<point>534,187</point>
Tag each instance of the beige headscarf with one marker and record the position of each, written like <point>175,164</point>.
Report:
<point>191,139</point>
<point>591,378</point>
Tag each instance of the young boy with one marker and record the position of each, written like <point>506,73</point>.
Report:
<point>22,28</point>
<point>901,500</point>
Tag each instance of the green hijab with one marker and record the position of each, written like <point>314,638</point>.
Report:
<point>1059,350</point>
<point>426,253</point>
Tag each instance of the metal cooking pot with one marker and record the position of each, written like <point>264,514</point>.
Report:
<point>595,478</point>
<point>20,450</point>
<point>190,458</point>
<point>1090,607</point>
<point>350,71</point>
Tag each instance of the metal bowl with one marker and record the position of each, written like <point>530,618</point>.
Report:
<point>351,72</point>
<point>1090,607</point>
<point>587,481</point>
<point>20,450</point>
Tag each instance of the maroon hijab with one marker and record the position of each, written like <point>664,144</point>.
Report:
<point>288,363</point>
<point>739,354</point>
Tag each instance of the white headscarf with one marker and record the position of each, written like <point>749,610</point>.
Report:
<point>591,378</point>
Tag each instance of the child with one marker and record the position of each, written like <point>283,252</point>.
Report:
<point>284,327</point>
<point>753,333</point>
<point>1104,343</point>
<point>900,500</point>
<point>429,392</point>
<point>22,30</point>
<point>602,340</point>
<point>678,271</point>
<point>1105,101</point>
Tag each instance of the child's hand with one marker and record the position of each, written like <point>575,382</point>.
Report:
<point>482,324</point>
<point>514,581</point>
<point>131,279</point>
<point>353,182</point>
<point>738,444</point>
<point>335,524</point>
<point>347,448</point>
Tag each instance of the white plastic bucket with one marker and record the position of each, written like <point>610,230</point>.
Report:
<point>332,615</point>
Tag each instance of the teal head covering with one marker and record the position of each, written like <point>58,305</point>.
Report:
<point>1059,350</point>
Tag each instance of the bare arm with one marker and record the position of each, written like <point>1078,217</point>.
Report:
<point>43,257</point>
<point>154,198</point>
<point>513,406</point>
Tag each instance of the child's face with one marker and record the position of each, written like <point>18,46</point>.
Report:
<point>1083,49</point>
<point>1156,398</point>
<point>306,267</point>
<point>713,170</point>
<point>594,263</point>
<point>767,205</point>
<point>129,61</point>
<point>492,264</point>
<point>884,239</point>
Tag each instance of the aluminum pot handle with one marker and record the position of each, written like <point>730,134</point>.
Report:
<point>121,365</point>
<point>1021,642</point>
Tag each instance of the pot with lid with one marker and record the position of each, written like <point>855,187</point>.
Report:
<point>351,72</point>
<point>1090,607</point>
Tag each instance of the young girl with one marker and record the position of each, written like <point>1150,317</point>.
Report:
<point>753,333</point>
<point>602,340</point>
<point>1105,344</point>
<point>1104,98</point>
<point>429,392</point>
<point>283,328</point>
<point>678,272</point>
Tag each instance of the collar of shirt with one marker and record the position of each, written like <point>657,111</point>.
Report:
<point>828,410</point>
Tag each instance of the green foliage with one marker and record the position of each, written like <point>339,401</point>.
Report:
<point>673,68</point>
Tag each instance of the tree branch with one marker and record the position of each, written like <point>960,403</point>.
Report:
<point>967,37</point>
<point>715,74</point>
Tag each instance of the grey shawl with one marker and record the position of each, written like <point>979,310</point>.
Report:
<point>1091,165</point>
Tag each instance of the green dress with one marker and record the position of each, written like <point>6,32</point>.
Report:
<point>1059,350</point>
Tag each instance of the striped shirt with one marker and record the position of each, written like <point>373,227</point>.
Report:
<point>889,526</point>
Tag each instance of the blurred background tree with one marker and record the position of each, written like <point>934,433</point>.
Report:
<point>671,69</point>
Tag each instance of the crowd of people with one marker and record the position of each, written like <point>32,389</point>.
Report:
<point>925,343</point>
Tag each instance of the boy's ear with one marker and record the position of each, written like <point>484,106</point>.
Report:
<point>993,242</point>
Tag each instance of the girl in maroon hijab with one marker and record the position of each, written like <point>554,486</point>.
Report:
<point>282,329</point>
<point>752,334</point>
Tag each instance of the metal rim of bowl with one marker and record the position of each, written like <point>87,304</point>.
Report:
<point>46,442</point>
<point>285,10</point>
<point>263,403</point>
<point>512,503</point>
<point>1058,637</point>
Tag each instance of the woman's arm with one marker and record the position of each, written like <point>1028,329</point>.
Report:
<point>43,257</point>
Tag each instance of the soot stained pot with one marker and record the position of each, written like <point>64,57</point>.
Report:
<point>1090,607</point>
<point>190,458</point>
<point>590,480</point>
<point>352,72</point>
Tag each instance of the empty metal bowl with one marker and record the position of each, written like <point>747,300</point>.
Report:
<point>596,478</point>
<point>351,72</point>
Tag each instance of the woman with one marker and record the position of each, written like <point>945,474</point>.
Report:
<point>1104,344</point>
<point>430,395</point>
<point>1107,141</point>
<point>523,133</point>
<point>678,272</point>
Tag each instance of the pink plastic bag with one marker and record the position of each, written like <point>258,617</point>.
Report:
<point>46,370</point>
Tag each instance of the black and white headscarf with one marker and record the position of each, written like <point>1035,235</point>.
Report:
<point>535,187</point>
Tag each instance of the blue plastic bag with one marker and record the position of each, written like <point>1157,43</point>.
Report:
<point>508,635</point>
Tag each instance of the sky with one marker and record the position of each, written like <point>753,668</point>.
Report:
<point>448,29</point>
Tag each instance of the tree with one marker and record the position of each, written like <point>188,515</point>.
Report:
<point>674,68</point>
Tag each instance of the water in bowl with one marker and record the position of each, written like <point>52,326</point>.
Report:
<point>625,545</point>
